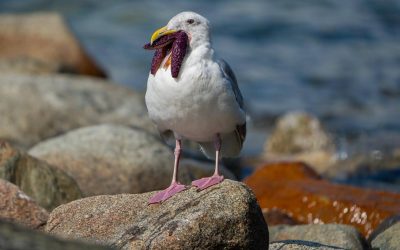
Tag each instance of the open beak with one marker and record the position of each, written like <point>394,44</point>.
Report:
<point>161,32</point>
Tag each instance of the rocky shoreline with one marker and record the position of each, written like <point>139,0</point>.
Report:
<point>79,159</point>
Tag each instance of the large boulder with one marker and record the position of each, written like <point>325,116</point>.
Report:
<point>19,208</point>
<point>224,216</point>
<point>47,185</point>
<point>33,108</point>
<point>113,159</point>
<point>299,136</point>
<point>14,237</point>
<point>42,43</point>
<point>333,235</point>
<point>307,198</point>
<point>109,159</point>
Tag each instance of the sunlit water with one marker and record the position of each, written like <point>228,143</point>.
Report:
<point>339,60</point>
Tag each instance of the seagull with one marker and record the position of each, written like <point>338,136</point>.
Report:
<point>191,94</point>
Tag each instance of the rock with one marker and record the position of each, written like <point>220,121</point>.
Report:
<point>300,245</point>
<point>298,191</point>
<point>18,207</point>
<point>42,43</point>
<point>373,169</point>
<point>336,235</point>
<point>109,159</point>
<point>388,222</point>
<point>47,185</point>
<point>33,108</point>
<point>225,216</point>
<point>13,237</point>
<point>300,136</point>
<point>388,239</point>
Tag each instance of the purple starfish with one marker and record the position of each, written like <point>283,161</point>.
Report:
<point>175,43</point>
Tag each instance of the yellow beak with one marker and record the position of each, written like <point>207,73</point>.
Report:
<point>160,32</point>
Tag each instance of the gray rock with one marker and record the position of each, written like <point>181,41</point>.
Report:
<point>388,239</point>
<point>47,185</point>
<point>330,235</point>
<point>33,108</point>
<point>29,46</point>
<point>13,237</point>
<point>109,159</point>
<point>301,245</point>
<point>18,207</point>
<point>300,136</point>
<point>225,216</point>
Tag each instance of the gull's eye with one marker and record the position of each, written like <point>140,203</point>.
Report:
<point>189,21</point>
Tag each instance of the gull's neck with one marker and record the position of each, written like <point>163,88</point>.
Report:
<point>200,52</point>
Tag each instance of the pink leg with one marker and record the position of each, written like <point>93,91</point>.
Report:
<point>204,183</point>
<point>175,186</point>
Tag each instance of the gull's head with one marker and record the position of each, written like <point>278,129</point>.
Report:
<point>195,26</point>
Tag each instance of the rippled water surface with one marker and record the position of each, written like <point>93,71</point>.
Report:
<point>337,59</point>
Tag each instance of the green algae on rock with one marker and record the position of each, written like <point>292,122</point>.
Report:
<point>47,185</point>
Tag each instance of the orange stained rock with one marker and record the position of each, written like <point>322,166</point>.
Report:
<point>294,188</point>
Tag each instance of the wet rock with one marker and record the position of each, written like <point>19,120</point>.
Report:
<point>109,159</point>
<point>42,43</point>
<point>389,239</point>
<point>18,207</point>
<point>225,216</point>
<point>47,185</point>
<point>341,236</point>
<point>13,237</point>
<point>300,136</point>
<point>300,245</point>
<point>298,191</point>
<point>33,108</point>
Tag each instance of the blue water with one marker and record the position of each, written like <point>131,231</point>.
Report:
<point>339,60</point>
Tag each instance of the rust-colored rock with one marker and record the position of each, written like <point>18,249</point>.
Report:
<point>16,206</point>
<point>298,191</point>
<point>42,43</point>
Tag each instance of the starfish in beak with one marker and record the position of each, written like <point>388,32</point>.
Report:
<point>168,42</point>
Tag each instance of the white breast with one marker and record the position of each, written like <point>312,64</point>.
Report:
<point>198,104</point>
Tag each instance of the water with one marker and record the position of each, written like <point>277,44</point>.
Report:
<point>339,60</point>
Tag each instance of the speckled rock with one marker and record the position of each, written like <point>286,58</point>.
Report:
<point>13,237</point>
<point>334,235</point>
<point>16,206</point>
<point>47,185</point>
<point>109,159</point>
<point>33,108</point>
<point>225,216</point>
<point>27,45</point>
<point>300,136</point>
<point>389,239</point>
<point>300,192</point>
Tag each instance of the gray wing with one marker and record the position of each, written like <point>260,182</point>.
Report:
<point>240,131</point>
<point>228,73</point>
